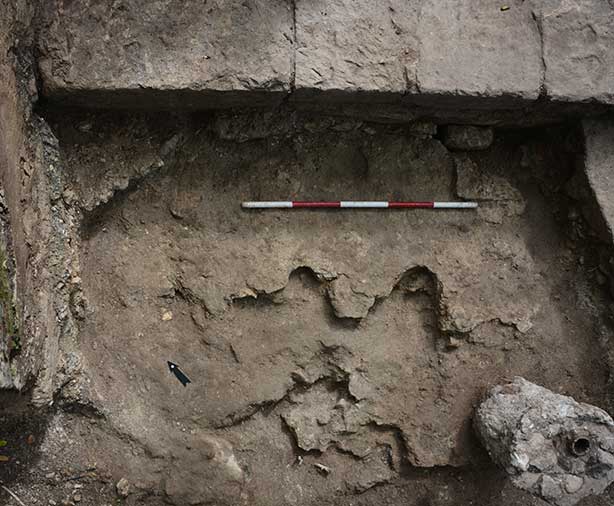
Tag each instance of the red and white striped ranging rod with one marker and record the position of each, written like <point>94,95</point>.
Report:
<point>363,204</point>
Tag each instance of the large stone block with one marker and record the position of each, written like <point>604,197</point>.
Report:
<point>350,46</point>
<point>401,59</point>
<point>472,47</point>
<point>431,47</point>
<point>599,169</point>
<point>181,53</point>
<point>578,49</point>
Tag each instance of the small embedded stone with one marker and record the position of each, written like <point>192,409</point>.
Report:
<point>467,138</point>
<point>123,487</point>
<point>573,484</point>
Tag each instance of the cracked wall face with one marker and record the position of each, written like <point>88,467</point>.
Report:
<point>359,341</point>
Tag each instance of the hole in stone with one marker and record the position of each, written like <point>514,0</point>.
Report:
<point>580,446</point>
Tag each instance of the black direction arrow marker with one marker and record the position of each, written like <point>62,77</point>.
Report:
<point>174,368</point>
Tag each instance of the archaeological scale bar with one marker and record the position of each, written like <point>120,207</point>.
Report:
<point>356,204</point>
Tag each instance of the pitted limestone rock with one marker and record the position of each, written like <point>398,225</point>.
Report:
<point>550,445</point>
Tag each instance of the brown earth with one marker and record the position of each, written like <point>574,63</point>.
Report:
<point>355,340</point>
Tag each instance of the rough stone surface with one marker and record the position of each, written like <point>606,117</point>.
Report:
<point>412,59</point>
<point>473,48</point>
<point>551,445</point>
<point>12,142</point>
<point>349,46</point>
<point>578,38</point>
<point>599,170</point>
<point>202,54</point>
<point>497,197</point>
<point>467,138</point>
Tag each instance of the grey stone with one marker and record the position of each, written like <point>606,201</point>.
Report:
<point>473,48</point>
<point>599,170</point>
<point>349,45</point>
<point>347,301</point>
<point>467,138</point>
<point>578,38</point>
<point>180,53</point>
<point>392,60</point>
<point>549,444</point>
<point>123,487</point>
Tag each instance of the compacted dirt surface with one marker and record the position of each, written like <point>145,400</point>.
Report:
<point>335,357</point>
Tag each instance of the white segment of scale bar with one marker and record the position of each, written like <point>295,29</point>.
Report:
<point>455,205</point>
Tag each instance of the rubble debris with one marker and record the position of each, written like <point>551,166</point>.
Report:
<point>467,138</point>
<point>552,446</point>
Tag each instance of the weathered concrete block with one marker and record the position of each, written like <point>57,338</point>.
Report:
<point>551,445</point>
<point>182,53</point>
<point>467,138</point>
<point>349,45</point>
<point>578,38</point>
<point>599,169</point>
<point>473,48</point>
